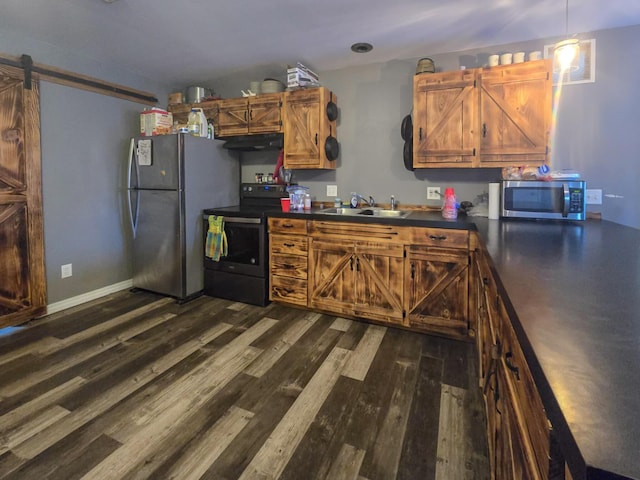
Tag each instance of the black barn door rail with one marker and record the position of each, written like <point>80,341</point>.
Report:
<point>76,80</point>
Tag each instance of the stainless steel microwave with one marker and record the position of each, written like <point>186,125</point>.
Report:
<point>558,199</point>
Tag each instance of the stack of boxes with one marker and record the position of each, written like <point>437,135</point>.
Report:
<point>301,76</point>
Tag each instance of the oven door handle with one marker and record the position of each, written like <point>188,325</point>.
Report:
<point>237,219</point>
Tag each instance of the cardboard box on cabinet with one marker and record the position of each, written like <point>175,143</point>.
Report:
<point>155,122</point>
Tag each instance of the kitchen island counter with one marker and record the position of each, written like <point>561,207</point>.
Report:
<point>572,290</point>
<point>573,294</point>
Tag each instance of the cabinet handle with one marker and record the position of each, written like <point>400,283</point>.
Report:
<point>289,244</point>
<point>245,115</point>
<point>316,139</point>
<point>413,271</point>
<point>287,225</point>
<point>351,263</point>
<point>511,366</point>
<point>438,237</point>
<point>250,114</point>
<point>484,130</point>
<point>420,134</point>
<point>485,280</point>
<point>357,264</point>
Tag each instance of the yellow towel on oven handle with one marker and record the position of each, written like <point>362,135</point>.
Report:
<point>216,244</point>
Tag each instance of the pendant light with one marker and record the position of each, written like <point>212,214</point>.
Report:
<point>566,52</point>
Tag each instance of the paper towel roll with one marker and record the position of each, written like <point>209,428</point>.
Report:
<point>494,201</point>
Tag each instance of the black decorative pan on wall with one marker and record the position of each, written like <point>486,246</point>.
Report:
<point>406,131</point>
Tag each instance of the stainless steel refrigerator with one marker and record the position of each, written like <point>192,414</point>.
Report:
<point>171,179</point>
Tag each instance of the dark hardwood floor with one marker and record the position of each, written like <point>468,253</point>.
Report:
<point>136,386</point>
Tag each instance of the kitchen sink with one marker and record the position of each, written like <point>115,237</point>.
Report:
<point>341,211</point>
<point>373,211</point>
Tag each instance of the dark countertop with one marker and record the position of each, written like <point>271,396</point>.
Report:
<point>573,293</point>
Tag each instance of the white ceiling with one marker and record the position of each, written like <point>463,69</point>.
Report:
<point>188,41</point>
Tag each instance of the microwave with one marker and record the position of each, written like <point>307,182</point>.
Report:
<point>558,200</point>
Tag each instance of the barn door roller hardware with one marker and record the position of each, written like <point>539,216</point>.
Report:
<point>27,65</point>
<point>63,77</point>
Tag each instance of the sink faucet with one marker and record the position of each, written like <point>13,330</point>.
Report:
<point>356,197</point>
<point>393,202</point>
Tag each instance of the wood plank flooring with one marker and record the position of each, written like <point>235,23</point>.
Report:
<point>135,386</point>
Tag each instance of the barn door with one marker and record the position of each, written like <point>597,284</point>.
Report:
<point>22,276</point>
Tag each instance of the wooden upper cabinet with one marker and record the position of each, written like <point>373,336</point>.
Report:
<point>445,109</point>
<point>233,117</point>
<point>308,129</point>
<point>515,111</point>
<point>489,117</point>
<point>265,113</point>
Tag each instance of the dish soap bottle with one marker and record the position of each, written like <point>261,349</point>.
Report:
<point>450,207</point>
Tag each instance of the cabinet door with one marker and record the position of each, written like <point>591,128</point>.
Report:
<point>445,119</point>
<point>332,265</point>
<point>379,281</point>
<point>233,117</point>
<point>515,111</point>
<point>265,113</point>
<point>436,290</point>
<point>307,128</point>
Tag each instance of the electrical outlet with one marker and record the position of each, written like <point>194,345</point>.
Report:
<point>433,193</point>
<point>594,196</point>
<point>332,190</point>
<point>65,271</point>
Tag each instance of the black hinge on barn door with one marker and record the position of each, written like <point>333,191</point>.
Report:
<point>27,64</point>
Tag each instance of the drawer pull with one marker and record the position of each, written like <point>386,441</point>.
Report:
<point>438,237</point>
<point>287,225</point>
<point>511,366</point>
<point>289,245</point>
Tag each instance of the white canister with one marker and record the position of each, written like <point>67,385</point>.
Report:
<point>536,55</point>
<point>518,57</point>
<point>505,59</point>
<point>494,60</point>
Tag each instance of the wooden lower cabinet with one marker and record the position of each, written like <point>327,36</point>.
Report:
<point>437,290</point>
<point>357,278</point>
<point>288,248</point>
<point>518,430</point>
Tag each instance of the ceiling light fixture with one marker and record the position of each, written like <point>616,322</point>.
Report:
<point>566,52</point>
<point>361,47</point>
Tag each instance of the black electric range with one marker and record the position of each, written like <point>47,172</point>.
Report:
<point>242,275</point>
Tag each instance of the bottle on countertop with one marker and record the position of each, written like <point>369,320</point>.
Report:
<point>450,207</point>
<point>307,201</point>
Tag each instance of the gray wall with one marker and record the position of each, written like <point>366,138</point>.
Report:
<point>597,130</point>
<point>84,144</point>
<point>84,141</point>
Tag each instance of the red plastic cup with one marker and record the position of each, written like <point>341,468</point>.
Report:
<point>285,203</point>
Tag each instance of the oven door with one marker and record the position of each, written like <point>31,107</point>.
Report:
<point>246,240</point>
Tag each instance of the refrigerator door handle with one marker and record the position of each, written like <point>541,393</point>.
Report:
<point>130,188</point>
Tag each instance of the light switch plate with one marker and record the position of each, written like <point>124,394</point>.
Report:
<point>65,271</point>
<point>332,190</point>
<point>433,193</point>
<point>594,196</point>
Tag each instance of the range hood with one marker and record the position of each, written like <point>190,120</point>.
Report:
<point>252,143</point>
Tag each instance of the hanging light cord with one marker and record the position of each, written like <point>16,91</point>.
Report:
<point>566,18</point>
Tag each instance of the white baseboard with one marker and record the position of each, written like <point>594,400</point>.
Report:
<point>87,297</point>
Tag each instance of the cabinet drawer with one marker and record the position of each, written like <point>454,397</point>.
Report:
<point>289,244</point>
<point>290,290</point>
<point>355,231</point>
<point>528,406</point>
<point>288,225</point>
<point>439,237</point>
<point>289,266</point>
